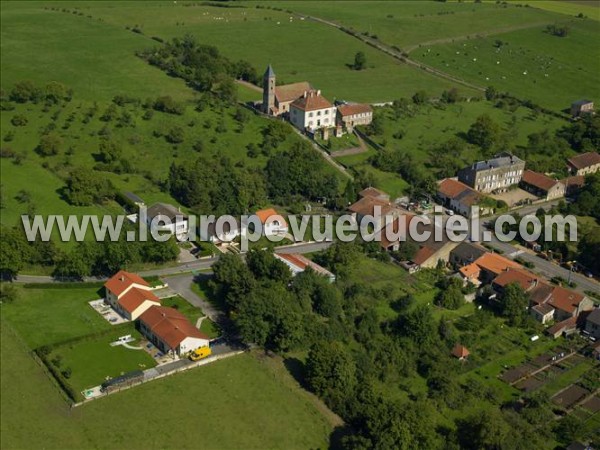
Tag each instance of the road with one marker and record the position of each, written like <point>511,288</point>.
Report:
<point>182,284</point>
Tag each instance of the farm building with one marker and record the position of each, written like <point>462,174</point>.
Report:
<point>465,253</point>
<point>459,197</point>
<point>129,294</point>
<point>351,114</point>
<point>542,186</point>
<point>277,99</point>
<point>312,112</point>
<point>372,192</point>
<point>493,175</point>
<point>573,184</point>
<point>167,218</point>
<point>582,107</point>
<point>171,331</point>
<point>299,263</point>
<point>585,163</point>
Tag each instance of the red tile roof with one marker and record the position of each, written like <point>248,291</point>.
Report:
<point>120,281</point>
<point>311,101</point>
<point>452,188</point>
<point>423,254</point>
<point>585,160</point>
<point>373,193</point>
<point>366,206</point>
<point>526,280</point>
<point>399,227</point>
<point>302,262</point>
<point>170,326</point>
<point>268,215</point>
<point>355,108</point>
<point>460,351</point>
<point>574,181</point>
<point>565,299</point>
<point>492,262</point>
<point>470,271</point>
<point>290,92</point>
<point>538,180</point>
<point>135,297</point>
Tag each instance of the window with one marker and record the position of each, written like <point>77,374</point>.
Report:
<point>326,112</point>
<point>326,120</point>
<point>310,123</point>
<point>318,113</point>
<point>310,114</point>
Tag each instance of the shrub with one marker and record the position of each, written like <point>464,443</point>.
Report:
<point>19,120</point>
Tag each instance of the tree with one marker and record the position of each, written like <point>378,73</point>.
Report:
<point>418,324</point>
<point>14,252</point>
<point>420,97</point>
<point>407,251</point>
<point>360,61</point>
<point>234,278</point>
<point>175,135</point>
<point>331,372</point>
<point>19,120</point>
<point>514,304</point>
<point>451,295</point>
<point>49,144</point>
<point>86,187</point>
<point>109,151</point>
<point>484,132</point>
<point>491,93</point>
<point>485,430</point>
<point>450,96</point>
<point>25,91</point>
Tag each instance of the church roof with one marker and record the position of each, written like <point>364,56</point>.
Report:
<point>269,72</point>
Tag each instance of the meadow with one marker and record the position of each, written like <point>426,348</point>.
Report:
<point>237,402</point>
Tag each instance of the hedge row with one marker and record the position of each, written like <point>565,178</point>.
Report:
<point>65,285</point>
<point>60,379</point>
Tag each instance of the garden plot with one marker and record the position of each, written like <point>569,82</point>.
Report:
<point>570,396</point>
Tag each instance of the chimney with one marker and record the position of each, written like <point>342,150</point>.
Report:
<point>122,278</point>
<point>318,92</point>
<point>305,94</point>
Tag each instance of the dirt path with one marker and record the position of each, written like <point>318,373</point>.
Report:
<point>465,37</point>
<point>249,85</point>
<point>352,151</point>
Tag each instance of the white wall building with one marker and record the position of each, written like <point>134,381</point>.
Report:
<point>312,112</point>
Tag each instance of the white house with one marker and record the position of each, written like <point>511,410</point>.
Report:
<point>312,112</point>
<point>272,222</point>
<point>129,294</point>
<point>171,331</point>
<point>224,233</point>
<point>168,218</point>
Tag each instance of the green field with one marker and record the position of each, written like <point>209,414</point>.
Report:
<point>230,404</point>
<point>49,316</point>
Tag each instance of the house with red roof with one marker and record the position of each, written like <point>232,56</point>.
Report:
<point>272,222</point>
<point>460,352</point>
<point>299,263</point>
<point>584,163</point>
<point>129,294</point>
<point>312,112</point>
<point>170,331</point>
<point>459,197</point>
<point>542,185</point>
<point>351,114</point>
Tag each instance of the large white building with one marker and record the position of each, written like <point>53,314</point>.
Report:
<point>312,112</point>
<point>168,218</point>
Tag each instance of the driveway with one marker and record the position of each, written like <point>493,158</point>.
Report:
<point>182,284</point>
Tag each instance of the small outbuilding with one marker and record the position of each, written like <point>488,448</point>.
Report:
<point>460,352</point>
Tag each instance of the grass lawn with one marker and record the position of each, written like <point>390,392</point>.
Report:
<point>92,361</point>
<point>48,316</point>
<point>531,64</point>
<point>184,307</point>
<point>334,144</point>
<point>259,409</point>
<point>211,329</point>
<point>259,36</point>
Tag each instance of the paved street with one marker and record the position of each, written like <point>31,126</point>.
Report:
<point>182,284</point>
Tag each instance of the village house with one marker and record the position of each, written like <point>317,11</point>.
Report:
<point>581,108</point>
<point>465,253</point>
<point>565,303</point>
<point>459,197</point>
<point>312,112</point>
<point>170,331</point>
<point>351,114</point>
<point>299,263</point>
<point>272,222</point>
<point>135,199</point>
<point>129,294</point>
<point>375,193</point>
<point>573,184</point>
<point>228,233</point>
<point>542,186</point>
<point>584,164</point>
<point>168,218</point>
<point>487,267</point>
<point>429,255</point>
<point>592,324</point>
<point>493,175</point>
<point>375,203</point>
<point>277,99</point>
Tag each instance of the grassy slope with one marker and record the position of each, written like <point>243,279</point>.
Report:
<point>413,22</point>
<point>230,404</point>
<point>298,50</point>
<point>535,65</point>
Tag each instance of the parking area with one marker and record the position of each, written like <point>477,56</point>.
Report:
<point>515,197</point>
<point>107,312</point>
